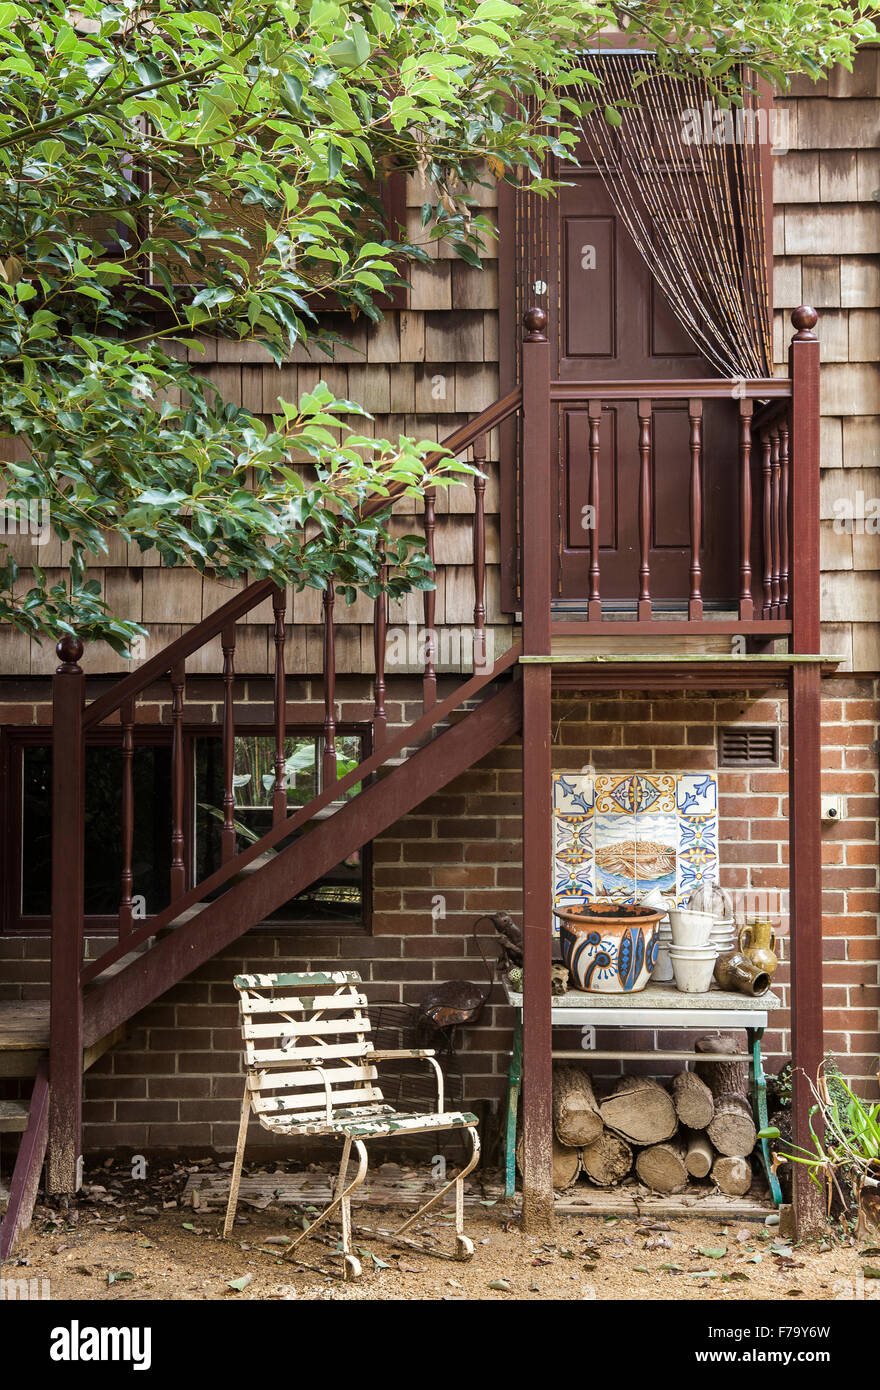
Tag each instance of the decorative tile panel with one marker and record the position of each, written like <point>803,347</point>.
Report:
<point>618,835</point>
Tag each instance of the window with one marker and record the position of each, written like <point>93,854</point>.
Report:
<point>340,897</point>
<point>151,857</point>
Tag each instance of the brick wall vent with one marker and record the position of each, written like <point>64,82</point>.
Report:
<point>743,745</point>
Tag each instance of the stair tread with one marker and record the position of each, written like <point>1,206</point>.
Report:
<point>13,1116</point>
<point>24,1024</point>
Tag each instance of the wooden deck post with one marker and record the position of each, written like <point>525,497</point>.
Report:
<point>537,853</point>
<point>68,846</point>
<point>803,366</point>
<point>805,741</point>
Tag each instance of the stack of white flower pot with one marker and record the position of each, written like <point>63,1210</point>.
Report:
<point>723,935</point>
<point>662,971</point>
<point>692,951</point>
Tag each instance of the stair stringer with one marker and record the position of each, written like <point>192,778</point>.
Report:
<point>109,1002</point>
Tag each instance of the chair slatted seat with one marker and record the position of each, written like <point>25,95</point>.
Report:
<point>311,1070</point>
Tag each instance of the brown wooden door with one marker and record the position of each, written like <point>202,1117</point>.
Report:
<point>613,323</point>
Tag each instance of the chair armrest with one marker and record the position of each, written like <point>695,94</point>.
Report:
<point>419,1054</point>
<point>390,1053</point>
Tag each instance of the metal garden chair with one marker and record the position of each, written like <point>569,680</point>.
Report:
<point>311,1070</point>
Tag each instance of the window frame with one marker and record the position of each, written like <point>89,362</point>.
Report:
<point>16,739</point>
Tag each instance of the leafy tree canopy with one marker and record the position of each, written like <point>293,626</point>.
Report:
<point>170,170</point>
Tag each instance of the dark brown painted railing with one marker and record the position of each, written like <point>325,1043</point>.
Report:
<point>171,665</point>
<point>764,474</point>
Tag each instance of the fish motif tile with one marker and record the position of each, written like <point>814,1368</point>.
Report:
<point>618,835</point>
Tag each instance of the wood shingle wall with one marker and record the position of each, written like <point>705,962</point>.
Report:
<point>428,368</point>
<point>827,246</point>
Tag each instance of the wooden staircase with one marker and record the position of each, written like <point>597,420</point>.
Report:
<point>24,1052</point>
<point>92,1000</point>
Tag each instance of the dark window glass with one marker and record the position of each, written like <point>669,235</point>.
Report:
<point>151,781</point>
<point>336,897</point>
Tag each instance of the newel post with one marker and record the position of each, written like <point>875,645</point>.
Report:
<point>803,366</point>
<point>537,860</point>
<point>805,744</point>
<point>68,849</point>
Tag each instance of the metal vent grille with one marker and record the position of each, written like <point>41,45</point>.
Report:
<point>743,745</point>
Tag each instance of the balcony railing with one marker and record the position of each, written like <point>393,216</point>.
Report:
<point>777,428</point>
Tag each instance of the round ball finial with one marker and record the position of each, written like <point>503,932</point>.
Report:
<point>804,319</point>
<point>535,321</point>
<point>69,650</point>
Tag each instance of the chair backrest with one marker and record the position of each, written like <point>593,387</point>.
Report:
<point>307,1043</point>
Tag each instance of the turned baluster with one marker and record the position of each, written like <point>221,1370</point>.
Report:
<point>328,757</point>
<point>380,631</point>
<point>480,555</point>
<point>767,516</point>
<point>429,680</point>
<point>746,603</point>
<point>594,607</point>
<point>127,879</point>
<point>784,520</point>
<point>695,415</point>
<point>644,610</point>
<point>775,514</point>
<point>227,839</point>
<point>279,790</point>
<point>178,866</point>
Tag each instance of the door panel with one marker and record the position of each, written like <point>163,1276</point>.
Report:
<point>613,323</point>
<point>591,272</point>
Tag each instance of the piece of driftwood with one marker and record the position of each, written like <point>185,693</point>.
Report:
<point>607,1160</point>
<point>692,1099</point>
<point>662,1166</point>
<point>641,1110</point>
<point>732,1174</point>
<point>732,1128</point>
<point>566,1163</point>
<point>699,1155</point>
<point>576,1118</point>
<point>723,1078</point>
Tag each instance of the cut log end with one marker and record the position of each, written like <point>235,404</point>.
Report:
<point>607,1160</point>
<point>693,1101</point>
<point>576,1118</point>
<point>699,1155</point>
<point>640,1110</point>
<point>732,1128</point>
<point>732,1175</point>
<point>662,1166</point>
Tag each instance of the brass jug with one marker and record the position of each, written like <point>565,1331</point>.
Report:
<point>757,940</point>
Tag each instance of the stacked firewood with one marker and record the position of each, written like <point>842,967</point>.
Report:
<point>700,1126</point>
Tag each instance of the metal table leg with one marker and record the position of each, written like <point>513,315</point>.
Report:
<point>759,1103</point>
<point>514,1082</point>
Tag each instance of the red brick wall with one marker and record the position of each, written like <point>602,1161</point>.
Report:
<point>174,1083</point>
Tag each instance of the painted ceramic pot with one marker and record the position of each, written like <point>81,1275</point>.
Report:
<point>609,948</point>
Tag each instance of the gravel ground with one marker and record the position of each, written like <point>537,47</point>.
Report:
<point>110,1244</point>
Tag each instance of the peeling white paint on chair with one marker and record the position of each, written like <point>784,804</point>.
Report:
<point>311,1070</point>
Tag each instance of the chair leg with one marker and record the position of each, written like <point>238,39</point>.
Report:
<point>351,1265</point>
<point>464,1248</point>
<point>236,1167</point>
<point>342,1199</point>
